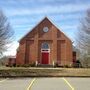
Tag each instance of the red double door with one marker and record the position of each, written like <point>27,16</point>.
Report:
<point>45,57</point>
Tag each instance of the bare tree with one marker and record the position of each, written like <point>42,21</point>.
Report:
<point>6,33</point>
<point>83,35</point>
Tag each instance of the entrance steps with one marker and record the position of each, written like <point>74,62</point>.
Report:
<point>44,65</point>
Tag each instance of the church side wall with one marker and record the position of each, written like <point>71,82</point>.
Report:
<point>20,57</point>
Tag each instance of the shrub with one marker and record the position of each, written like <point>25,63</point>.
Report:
<point>66,66</point>
<point>14,65</point>
<point>56,64</point>
<point>25,65</point>
<point>17,65</point>
<point>77,64</point>
<point>33,64</point>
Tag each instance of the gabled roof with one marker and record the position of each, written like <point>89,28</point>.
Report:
<point>38,24</point>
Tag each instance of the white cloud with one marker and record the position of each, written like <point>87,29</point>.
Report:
<point>59,9</point>
<point>68,8</point>
<point>12,49</point>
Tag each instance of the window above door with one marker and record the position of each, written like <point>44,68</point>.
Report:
<point>45,45</point>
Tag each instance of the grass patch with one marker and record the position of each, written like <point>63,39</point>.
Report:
<point>44,72</point>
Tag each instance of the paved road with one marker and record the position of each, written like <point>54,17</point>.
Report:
<point>80,83</point>
<point>45,84</point>
<point>15,84</point>
<point>50,84</point>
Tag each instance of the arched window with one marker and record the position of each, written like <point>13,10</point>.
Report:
<point>45,45</point>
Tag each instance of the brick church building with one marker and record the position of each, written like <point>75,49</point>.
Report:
<point>46,45</point>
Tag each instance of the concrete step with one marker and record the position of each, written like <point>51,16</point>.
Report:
<point>44,65</point>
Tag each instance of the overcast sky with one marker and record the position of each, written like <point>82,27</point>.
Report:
<point>25,14</point>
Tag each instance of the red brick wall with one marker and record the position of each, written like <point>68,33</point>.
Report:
<point>30,45</point>
<point>20,57</point>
